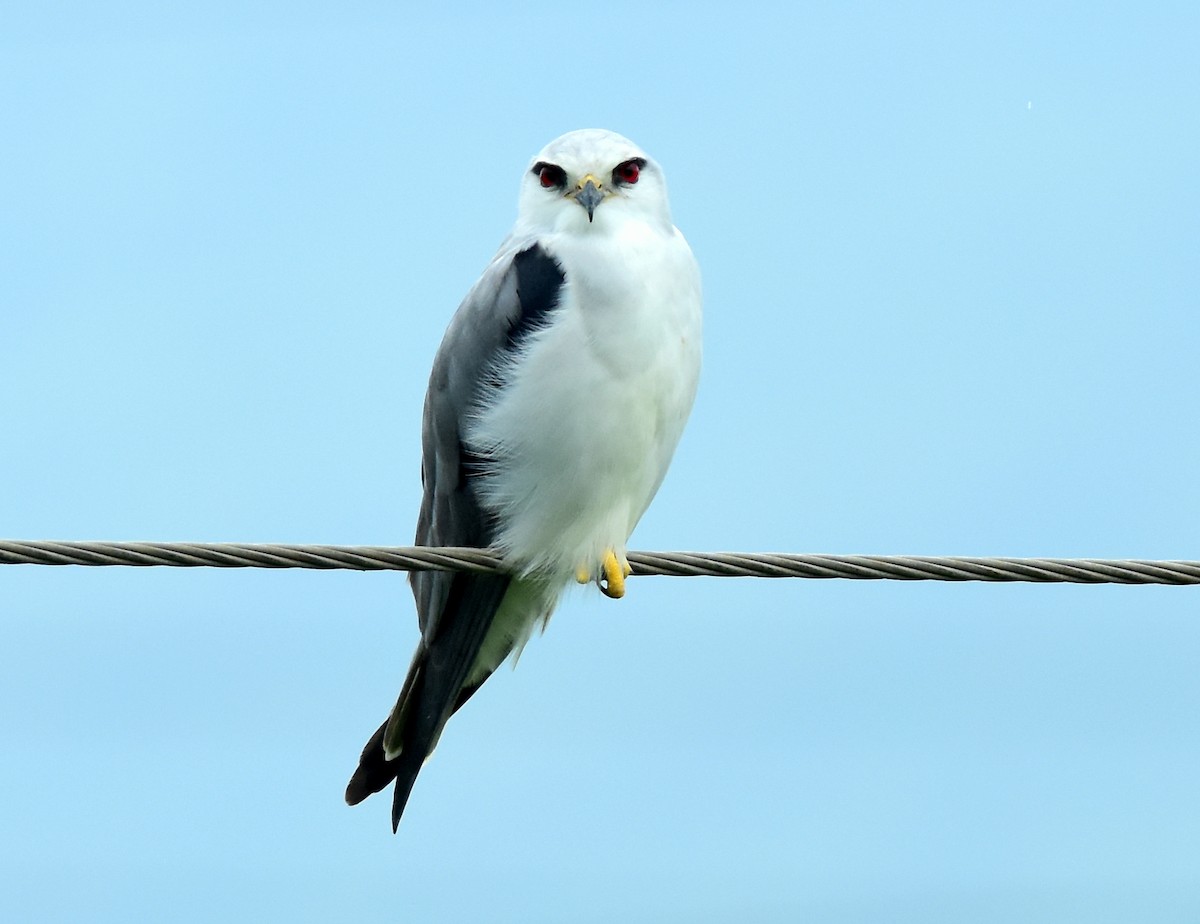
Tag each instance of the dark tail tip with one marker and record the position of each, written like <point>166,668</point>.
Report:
<point>404,784</point>
<point>373,773</point>
<point>356,790</point>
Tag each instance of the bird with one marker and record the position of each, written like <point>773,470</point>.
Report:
<point>556,400</point>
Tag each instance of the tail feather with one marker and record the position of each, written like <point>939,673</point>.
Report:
<point>408,766</point>
<point>435,687</point>
<point>374,771</point>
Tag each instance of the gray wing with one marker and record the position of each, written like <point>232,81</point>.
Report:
<point>515,295</point>
<point>455,609</point>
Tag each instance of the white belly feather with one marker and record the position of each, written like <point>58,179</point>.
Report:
<point>596,401</point>
<point>587,423</point>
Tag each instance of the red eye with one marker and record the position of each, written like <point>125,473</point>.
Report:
<point>628,172</point>
<point>550,175</point>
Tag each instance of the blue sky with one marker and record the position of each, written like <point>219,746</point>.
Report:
<point>951,298</point>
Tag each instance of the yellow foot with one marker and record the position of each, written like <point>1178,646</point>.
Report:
<point>615,571</point>
<point>582,574</point>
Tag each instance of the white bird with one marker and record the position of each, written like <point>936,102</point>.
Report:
<point>556,401</point>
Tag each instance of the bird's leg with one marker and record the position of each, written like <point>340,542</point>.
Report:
<point>612,582</point>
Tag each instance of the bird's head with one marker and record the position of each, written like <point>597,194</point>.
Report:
<point>592,180</point>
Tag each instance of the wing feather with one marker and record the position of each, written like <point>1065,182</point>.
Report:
<point>515,295</point>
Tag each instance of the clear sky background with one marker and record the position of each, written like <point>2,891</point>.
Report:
<point>951,280</point>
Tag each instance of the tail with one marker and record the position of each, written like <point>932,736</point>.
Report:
<point>439,681</point>
<point>375,771</point>
<point>416,738</point>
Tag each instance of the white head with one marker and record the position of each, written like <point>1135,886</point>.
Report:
<point>592,181</point>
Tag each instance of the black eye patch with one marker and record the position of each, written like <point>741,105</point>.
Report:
<point>551,176</point>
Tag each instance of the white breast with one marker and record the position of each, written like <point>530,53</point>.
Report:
<point>596,401</point>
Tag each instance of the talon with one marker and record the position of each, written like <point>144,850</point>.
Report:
<point>615,573</point>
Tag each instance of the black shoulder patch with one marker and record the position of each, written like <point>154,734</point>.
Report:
<point>539,285</point>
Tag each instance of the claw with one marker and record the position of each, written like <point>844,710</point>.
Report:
<point>615,572</point>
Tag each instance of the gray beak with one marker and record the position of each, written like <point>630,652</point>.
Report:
<point>589,195</point>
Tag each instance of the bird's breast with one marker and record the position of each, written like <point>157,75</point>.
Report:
<point>583,430</point>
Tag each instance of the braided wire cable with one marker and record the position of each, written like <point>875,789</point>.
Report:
<point>675,564</point>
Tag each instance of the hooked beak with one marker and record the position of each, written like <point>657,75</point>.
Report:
<point>588,194</point>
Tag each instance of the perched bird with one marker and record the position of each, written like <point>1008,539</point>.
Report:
<point>556,401</point>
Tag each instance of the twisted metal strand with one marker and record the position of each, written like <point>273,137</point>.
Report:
<point>676,564</point>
